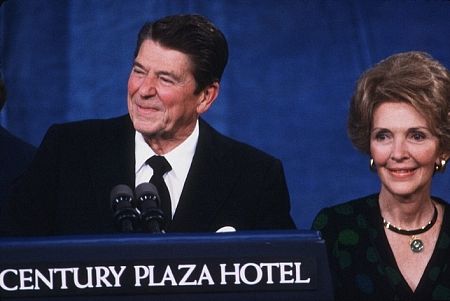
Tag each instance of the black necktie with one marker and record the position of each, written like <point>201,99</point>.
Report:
<point>160,166</point>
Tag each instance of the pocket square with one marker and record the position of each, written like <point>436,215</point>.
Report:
<point>226,229</point>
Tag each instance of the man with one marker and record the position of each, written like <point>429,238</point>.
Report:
<point>15,154</point>
<point>213,181</point>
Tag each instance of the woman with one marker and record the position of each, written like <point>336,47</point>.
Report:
<point>395,245</point>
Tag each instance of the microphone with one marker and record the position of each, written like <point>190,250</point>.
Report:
<point>149,205</point>
<point>125,216</point>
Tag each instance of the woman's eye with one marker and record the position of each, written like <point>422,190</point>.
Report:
<point>381,136</point>
<point>418,136</point>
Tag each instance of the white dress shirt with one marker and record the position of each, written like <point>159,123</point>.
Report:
<point>180,158</point>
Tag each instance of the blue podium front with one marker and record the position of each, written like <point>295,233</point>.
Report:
<point>276,265</point>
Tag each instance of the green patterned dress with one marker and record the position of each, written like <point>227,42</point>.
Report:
<point>362,264</point>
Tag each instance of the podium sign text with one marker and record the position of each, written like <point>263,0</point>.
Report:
<point>290,263</point>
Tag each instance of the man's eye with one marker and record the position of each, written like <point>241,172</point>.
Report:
<point>166,80</point>
<point>138,71</point>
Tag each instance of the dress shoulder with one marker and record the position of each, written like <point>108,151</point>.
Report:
<point>345,213</point>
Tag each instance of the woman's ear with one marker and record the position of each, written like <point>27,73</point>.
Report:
<point>444,156</point>
<point>441,162</point>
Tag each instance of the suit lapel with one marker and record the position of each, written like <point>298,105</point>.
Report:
<point>112,160</point>
<point>207,184</point>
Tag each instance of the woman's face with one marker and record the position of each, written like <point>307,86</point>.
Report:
<point>404,150</point>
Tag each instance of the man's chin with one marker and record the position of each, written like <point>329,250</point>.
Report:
<point>147,129</point>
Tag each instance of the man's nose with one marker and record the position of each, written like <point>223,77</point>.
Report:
<point>148,86</point>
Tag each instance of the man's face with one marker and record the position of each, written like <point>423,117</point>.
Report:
<point>161,100</point>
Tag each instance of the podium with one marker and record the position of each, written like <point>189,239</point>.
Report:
<point>269,265</point>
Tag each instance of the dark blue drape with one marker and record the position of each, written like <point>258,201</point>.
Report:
<point>292,69</point>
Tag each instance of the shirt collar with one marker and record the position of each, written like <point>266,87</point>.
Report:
<point>180,158</point>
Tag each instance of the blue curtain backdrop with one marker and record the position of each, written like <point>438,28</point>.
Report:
<point>286,89</point>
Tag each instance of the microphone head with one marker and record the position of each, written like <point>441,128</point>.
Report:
<point>148,202</point>
<point>147,192</point>
<point>120,193</point>
<point>121,190</point>
<point>125,216</point>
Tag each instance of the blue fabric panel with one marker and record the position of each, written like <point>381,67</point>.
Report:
<point>293,65</point>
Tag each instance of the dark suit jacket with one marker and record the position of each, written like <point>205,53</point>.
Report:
<point>15,156</point>
<point>67,188</point>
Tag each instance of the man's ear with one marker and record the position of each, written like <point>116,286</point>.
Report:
<point>207,97</point>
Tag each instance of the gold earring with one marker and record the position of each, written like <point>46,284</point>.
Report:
<point>440,167</point>
<point>372,165</point>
